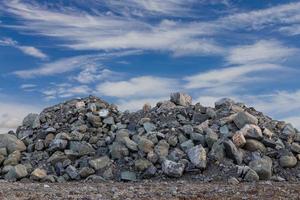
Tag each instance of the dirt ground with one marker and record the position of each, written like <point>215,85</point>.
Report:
<point>181,190</point>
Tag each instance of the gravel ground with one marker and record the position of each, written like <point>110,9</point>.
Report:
<point>170,189</point>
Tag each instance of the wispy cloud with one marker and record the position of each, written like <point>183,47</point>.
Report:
<point>143,86</point>
<point>69,64</point>
<point>28,50</point>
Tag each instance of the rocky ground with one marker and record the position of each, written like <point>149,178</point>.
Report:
<point>149,189</point>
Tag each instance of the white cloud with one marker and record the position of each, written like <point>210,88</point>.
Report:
<point>134,104</point>
<point>263,51</point>
<point>143,86</point>
<point>28,50</point>
<point>66,90</point>
<point>230,75</point>
<point>12,114</point>
<point>69,64</point>
<point>27,86</point>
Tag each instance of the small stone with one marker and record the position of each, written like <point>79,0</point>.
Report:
<point>224,131</point>
<point>17,172</point>
<point>128,176</point>
<point>118,150</point>
<point>181,99</point>
<point>185,146</point>
<point>100,163</point>
<point>268,133</point>
<point>251,176</point>
<point>295,147</point>
<point>176,155</point>
<point>239,139</point>
<point>13,158</point>
<point>38,174</point>
<point>232,152</point>
<point>149,127</point>
<point>187,129</point>
<point>145,145</point>
<point>142,164</point>
<point>86,171</point>
<point>72,172</point>
<point>263,167</point>
<point>109,120</point>
<point>162,149</point>
<point>243,118</point>
<point>57,156</point>
<point>288,161</point>
<point>197,156</point>
<point>172,169</point>
<point>211,137</point>
<point>251,131</point>
<point>131,145</point>
<point>81,148</point>
<point>254,145</point>
<point>58,144</point>
<point>103,113</point>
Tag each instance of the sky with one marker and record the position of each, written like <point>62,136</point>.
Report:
<point>132,52</point>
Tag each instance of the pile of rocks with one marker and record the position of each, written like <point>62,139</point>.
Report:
<point>90,139</point>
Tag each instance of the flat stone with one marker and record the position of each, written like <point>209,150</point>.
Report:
<point>128,176</point>
<point>100,163</point>
<point>197,156</point>
<point>38,174</point>
<point>172,169</point>
<point>243,118</point>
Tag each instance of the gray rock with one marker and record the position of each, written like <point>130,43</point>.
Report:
<point>72,172</point>
<point>172,169</point>
<point>57,156</point>
<point>162,149</point>
<point>254,145</point>
<point>295,147</point>
<point>16,172</point>
<point>109,120</point>
<point>176,155</point>
<point>251,131</point>
<point>224,131</point>
<point>13,158</point>
<point>251,176</point>
<point>263,167</point>
<point>185,146</point>
<point>81,148</point>
<point>131,145</point>
<point>142,164</point>
<point>288,161</point>
<point>103,113</point>
<point>118,150</point>
<point>58,144</point>
<point>288,132</point>
<point>181,99</point>
<point>149,127</point>
<point>243,118</point>
<point>86,171</point>
<point>128,176</point>
<point>11,143</point>
<point>211,137</point>
<point>232,152</point>
<point>217,151</point>
<point>100,163</point>
<point>145,145</point>
<point>224,102</point>
<point>32,120</point>
<point>187,129</point>
<point>197,156</point>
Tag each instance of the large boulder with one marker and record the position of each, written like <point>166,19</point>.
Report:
<point>11,143</point>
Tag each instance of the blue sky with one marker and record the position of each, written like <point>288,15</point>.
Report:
<point>135,51</point>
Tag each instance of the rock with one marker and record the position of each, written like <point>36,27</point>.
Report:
<point>295,147</point>
<point>118,150</point>
<point>162,149</point>
<point>16,172</point>
<point>217,152</point>
<point>32,120</point>
<point>128,176</point>
<point>172,169</point>
<point>185,146</point>
<point>142,164</point>
<point>187,129</point>
<point>145,145</point>
<point>224,102</point>
<point>13,158</point>
<point>56,157</point>
<point>243,118</point>
<point>232,152</point>
<point>263,167</point>
<point>72,172</point>
<point>176,155</point>
<point>288,132</point>
<point>149,127</point>
<point>58,144</point>
<point>254,145</point>
<point>131,145</point>
<point>181,99</point>
<point>38,174</point>
<point>109,120</point>
<point>86,171</point>
<point>224,131</point>
<point>251,176</point>
<point>81,148</point>
<point>197,156</point>
<point>239,139</point>
<point>251,131</point>
<point>268,133</point>
<point>103,113</point>
<point>297,137</point>
<point>100,163</point>
<point>211,137</point>
<point>11,143</point>
<point>288,161</point>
